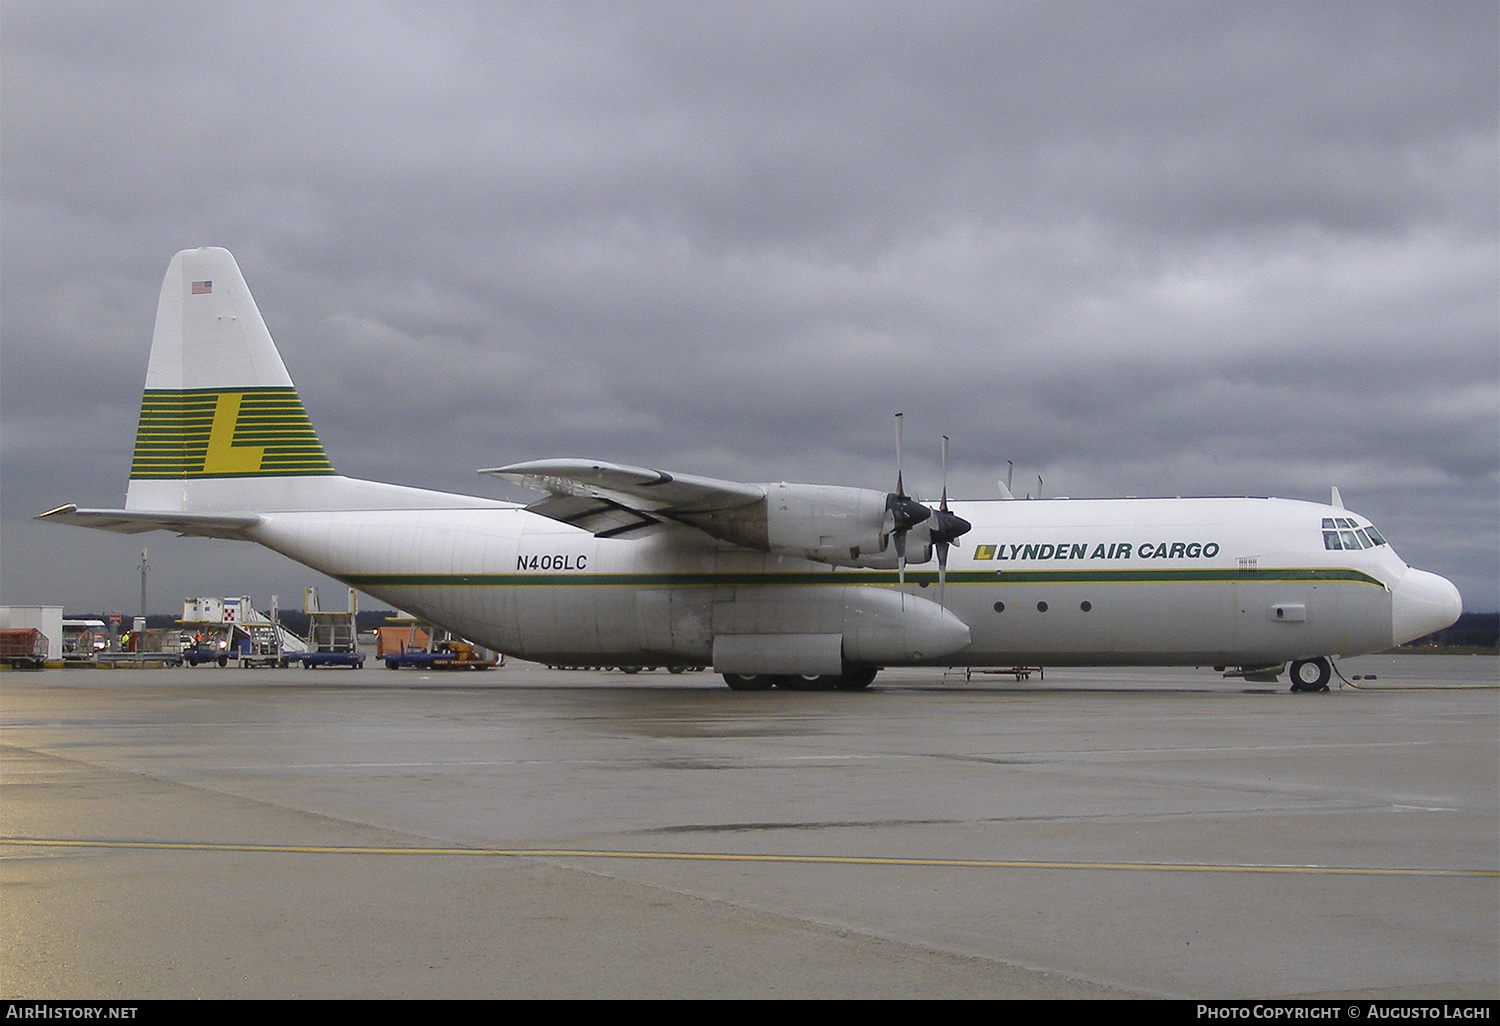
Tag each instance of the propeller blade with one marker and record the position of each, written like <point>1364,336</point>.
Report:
<point>901,557</point>
<point>947,528</point>
<point>944,503</point>
<point>942,558</point>
<point>939,543</point>
<point>902,512</point>
<point>895,511</point>
<point>899,491</point>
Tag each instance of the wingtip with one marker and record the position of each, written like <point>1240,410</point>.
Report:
<point>67,507</point>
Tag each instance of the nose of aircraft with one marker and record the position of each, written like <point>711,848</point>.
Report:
<point>1422,603</point>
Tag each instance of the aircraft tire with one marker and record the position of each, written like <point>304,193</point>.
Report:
<point>749,681</point>
<point>1311,674</point>
<point>857,678</point>
<point>223,660</point>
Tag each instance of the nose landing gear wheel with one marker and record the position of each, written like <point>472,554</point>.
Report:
<point>1310,674</point>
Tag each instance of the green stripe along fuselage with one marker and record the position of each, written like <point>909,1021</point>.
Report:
<point>847,578</point>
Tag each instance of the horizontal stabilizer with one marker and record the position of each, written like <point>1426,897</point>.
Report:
<point>129,521</point>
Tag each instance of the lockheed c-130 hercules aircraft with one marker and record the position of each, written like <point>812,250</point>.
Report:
<point>796,585</point>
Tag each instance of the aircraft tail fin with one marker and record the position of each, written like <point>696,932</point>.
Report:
<point>220,417</point>
<point>223,436</point>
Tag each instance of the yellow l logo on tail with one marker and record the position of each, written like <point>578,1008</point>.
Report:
<point>223,456</point>
<point>213,432</point>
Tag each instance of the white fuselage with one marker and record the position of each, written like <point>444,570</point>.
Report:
<point>1084,581</point>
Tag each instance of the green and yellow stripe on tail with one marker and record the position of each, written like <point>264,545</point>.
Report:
<point>212,432</point>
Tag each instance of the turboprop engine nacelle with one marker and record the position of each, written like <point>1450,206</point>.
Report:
<point>838,525</point>
<point>829,523</point>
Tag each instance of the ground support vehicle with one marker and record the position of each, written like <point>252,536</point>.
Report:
<point>445,655</point>
<point>332,635</point>
<point>309,660</point>
<point>264,646</point>
<point>404,641</point>
<point>23,648</point>
<point>209,648</point>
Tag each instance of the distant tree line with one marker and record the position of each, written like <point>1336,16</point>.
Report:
<point>1473,630</point>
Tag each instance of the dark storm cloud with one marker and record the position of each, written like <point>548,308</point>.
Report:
<point>1142,248</point>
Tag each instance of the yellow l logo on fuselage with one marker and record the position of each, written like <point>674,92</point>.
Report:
<point>223,456</point>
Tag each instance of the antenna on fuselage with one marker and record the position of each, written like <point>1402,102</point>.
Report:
<point>1004,486</point>
<point>1337,502</point>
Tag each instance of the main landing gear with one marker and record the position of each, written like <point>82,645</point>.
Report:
<point>1311,674</point>
<point>855,678</point>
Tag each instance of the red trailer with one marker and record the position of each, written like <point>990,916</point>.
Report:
<point>23,647</point>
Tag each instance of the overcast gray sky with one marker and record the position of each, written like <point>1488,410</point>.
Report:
<point>1136,248</point>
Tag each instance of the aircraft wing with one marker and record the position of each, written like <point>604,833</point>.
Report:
<point>129,521</point>
<point>611,499</point>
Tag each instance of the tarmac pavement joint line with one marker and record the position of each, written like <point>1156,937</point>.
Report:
<point>842,860</point>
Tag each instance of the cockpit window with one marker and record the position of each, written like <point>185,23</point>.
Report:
<point>1341,533</point>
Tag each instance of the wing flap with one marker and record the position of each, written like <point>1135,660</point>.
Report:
<point>128,521</point>
<point>598,516</point>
